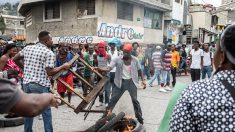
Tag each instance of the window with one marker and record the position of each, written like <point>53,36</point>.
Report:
<point>21,22</point>
<point>52,11</point>
<point>178,1</point>
<point>86,7</point>
<point>124,11</point>
<point>152,19</point>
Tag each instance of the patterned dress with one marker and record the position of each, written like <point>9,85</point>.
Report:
<point>206,106</point>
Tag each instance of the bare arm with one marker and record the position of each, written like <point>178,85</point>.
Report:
<point>3,62</point>
<point>32,104</point>
<point>53,71</point>
<point>17,59</point>
<point>201,61</point>
<point>105,69</point>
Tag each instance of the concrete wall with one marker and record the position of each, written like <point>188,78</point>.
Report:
<point>70,25</point>
<point>201,20</point>
<point>177,12</point>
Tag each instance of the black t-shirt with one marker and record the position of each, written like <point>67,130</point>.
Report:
<point>9,95</point>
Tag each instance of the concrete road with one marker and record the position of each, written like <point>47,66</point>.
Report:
<point>153,104</point>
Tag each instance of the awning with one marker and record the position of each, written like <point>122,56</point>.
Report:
<point>24,3</point>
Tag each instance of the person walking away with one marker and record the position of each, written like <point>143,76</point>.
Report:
<point>166,69</point>
<point>156,57</point>
<point>103,60</point>
<point>208,105</point>
<point>147,62</point>
<point>196,61</point>
<point>207,68</point>
<point>62,57</point>
<point>38,66</point>
<point>88,57</point>
<point>175,62</point>
<point>183,56</point>
<point>126,78</point>
<point>135,46</point>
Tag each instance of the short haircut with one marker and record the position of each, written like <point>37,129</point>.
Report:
<point>43,34</point>
<point>133,44</point>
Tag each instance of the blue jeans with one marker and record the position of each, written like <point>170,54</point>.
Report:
<point>183,64</point>
<point>165,77</point>
<point>206,70</point>
<point>47,118</point>
<point>156,75</point>
<point>147,72</point>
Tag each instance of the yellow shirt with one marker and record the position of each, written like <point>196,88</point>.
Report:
<point>175,58</point>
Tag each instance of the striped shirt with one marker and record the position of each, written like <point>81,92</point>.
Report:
<point>156,57</point>
<point>166,58</point>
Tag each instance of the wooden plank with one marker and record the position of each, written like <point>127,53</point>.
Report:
<point>70,88</point>
<point>82,79</point>
<point>63,100</point>
<point>91,95</point>
<point>57,75</point>
<point>89,66</point>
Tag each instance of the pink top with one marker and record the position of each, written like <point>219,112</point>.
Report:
<point>12,65</point>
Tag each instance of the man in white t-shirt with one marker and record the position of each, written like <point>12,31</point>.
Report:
<point>196,61</point>
<point>207,62</point>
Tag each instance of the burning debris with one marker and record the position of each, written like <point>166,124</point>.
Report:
<point>119,123</point>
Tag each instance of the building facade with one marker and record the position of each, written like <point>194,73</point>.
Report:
<point>14,25</point>
<point>203,22</point>
<point>90,21</point>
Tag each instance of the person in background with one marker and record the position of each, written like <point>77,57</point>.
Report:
<point>175,62</point>
<point>208,105</point>
<point>156,59</point>
<point>126,78</point>
<point>113,54</point>
<point>103,60</point>
<point>6,60</point>
<point>38,66</point>
<point>183,56</point>
<point>135,46</point>
<point>196,61</point>
<point>62,57</point>
<point>147,62</point>
<point>88,57</point>
<point>207,62</point>
<point>166,69</point>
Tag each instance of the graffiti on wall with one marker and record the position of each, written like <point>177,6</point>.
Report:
<point>75,39</point>
<point>127,33</point>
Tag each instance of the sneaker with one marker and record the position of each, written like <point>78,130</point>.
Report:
<point>100,104</point>
<point>168,88</point>
<point>150,85</point>
<point>162,90</point>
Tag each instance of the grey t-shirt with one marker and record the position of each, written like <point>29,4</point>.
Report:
<point>9,95</point>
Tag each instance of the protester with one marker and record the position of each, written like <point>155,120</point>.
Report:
<point>103,59</point>
<point>207,62</point>
<point>175,62</point>
<point>88,58</point>
<point>183,56</point>
<point>156,59</point>
<point>135,46</point>
<point>6,60</point>
<point>147,62</point>
<point>38,65</point>
<point>166,69</point>
<point>196,61</point>
<point>62,57</point>
<point>208,105</point>
<point>12,99</point>
<point>126,78</point>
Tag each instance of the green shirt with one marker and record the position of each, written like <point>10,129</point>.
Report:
<point>87,58</point>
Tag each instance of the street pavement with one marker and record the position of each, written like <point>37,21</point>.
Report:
<point>153,104</point>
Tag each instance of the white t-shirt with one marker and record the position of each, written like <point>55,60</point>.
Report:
<point>207,58</point>
<point>126,74</point>
<point>115,55</point>
<point>196,58</point>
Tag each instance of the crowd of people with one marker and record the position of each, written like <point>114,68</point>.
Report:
<point>125,64</point>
